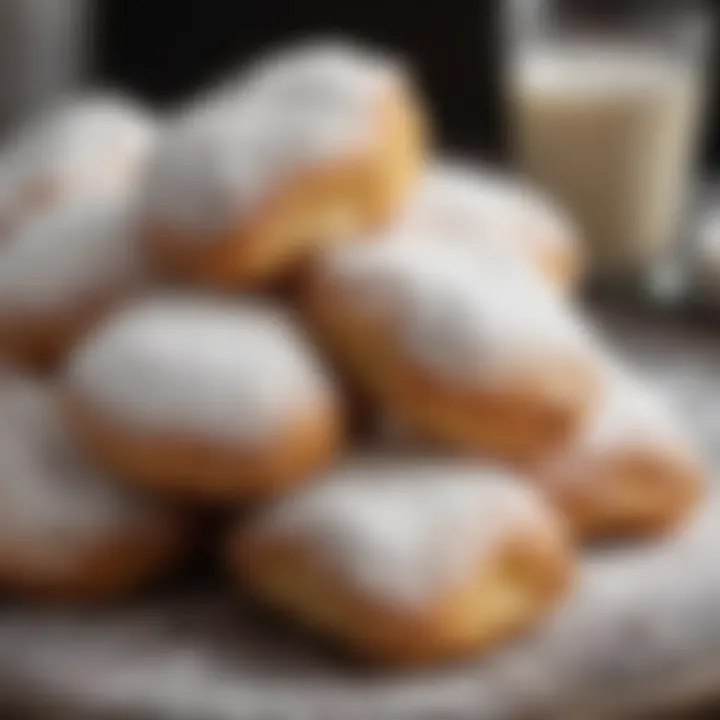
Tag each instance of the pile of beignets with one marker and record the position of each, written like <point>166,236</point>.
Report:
<point>278,300</point>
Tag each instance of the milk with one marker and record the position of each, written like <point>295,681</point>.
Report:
<point>610,132</point>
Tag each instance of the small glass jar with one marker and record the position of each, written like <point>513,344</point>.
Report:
<point>605,99</point>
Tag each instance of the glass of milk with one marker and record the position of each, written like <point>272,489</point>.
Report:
<point>605,98</point>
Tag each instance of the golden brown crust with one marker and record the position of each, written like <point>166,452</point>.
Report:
<point>209,470</point>
<point>316,209</point>
<point>627,491</point>
<point>517,423</point>
<point>109,570</point>
<point>524,578</point>
<point>561,263</point>
<point>41,342</point>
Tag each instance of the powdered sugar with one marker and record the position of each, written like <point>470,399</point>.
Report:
<point>213,368</point>
<point>483,210</point>
<point>288,113</point>
<point>68,255</point>
<point>406,530</point>
<point>53,506</point>
<point>466,322</point>
<point>630,413</point>
<point>94,145</point>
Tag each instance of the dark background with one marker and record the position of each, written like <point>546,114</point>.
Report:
<point>164,50</point>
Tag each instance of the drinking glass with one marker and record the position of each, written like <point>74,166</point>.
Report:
<point>605,99</point>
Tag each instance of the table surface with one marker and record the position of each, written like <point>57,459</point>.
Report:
<point>641,632</point>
